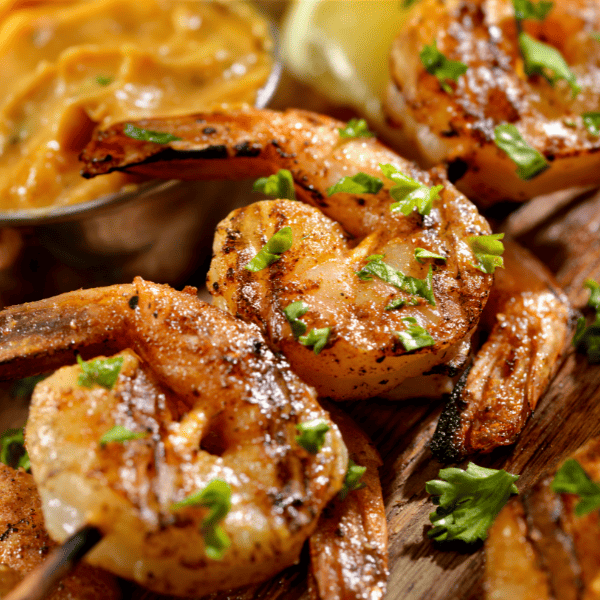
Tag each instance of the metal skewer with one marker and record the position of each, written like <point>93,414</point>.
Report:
<point>39,582</point>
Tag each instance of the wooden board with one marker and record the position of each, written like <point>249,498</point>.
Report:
<point>563,232</point>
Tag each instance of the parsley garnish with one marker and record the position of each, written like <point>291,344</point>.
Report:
<point>409,193</point>
<point>412,285</point>
<point>421,254</point>
<point>529,161</point>
<point>440,66</point>
<point>488,251</point>
<point>400,302</point>
<point>572,479</point>
<point>146,135</point>
<point>280,242</point>
<point>352,480</point>
<point>525,9</point>
<point>278,185</point>
<point>595,35</point>
<point>317,338</point>
<point>312,435</point>
<point>12,449</point>
<point>355,128</point>
<point>216,496</point>
<point>415,336</point>
<point>361,183</point>
<point>292,313</point>
<point>104,80</point>
<point>588,338</point>
<point>101,371</point>
<point>592,122</point>
<point>542,59</point>
<point>121,434</point>
<point>24,387</point>
<point>468,501</point>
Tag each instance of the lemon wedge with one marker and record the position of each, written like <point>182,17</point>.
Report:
<point>341,48</point>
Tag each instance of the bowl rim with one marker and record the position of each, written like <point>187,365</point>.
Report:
<point>71,212</point>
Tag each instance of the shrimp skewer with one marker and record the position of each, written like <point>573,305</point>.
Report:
<point>530,321</point>
<point>457,127</point>
<point>209,400</point>
<point>363,356</point>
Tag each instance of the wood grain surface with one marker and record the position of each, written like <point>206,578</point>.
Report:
<point>564,232</point>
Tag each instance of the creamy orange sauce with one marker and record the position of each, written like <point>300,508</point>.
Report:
<point>69,65</point>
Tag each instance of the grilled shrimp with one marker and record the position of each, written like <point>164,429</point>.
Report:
<point>363,355</point>
<point>24,543</point>
<point>530,321</point>
<point>457,125</point>
<point>206,401</point>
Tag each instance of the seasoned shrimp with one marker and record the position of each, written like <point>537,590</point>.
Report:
<point>457,125</point>
<point>363,355</point>
<point>531,322</point>
<point>24,543</point>
<point>205,400</point>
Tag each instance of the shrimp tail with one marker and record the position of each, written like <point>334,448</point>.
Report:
<point>494,398</point>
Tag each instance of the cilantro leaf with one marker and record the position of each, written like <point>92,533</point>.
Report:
<point>280,242</point>
<point>24,387</point>
<point>595,35</point>
<point>352,480</point>
<point>412,285</point>
<point>100,371</point>
<point>415,336</point>
<point>547,61</point>
<point>355,128</point>
<point>317,338</point>
<point>278,185</point>
<point>12,449</point>
<point>440,66</point>
<point>421,254</point>
<point>591,120</point>
<point>292,313</point>
<point>312,435</point>
<point>216,496</point>
<point>147,135</point>
<point>121,434</point>
<point>409,193</point>
<point>525,9</point>
<point>103,80</point>
<point>361,183</point>
<point>468,501</point>
<point>587,338</point>
<point>572,479</point>
<point>488,251</point>
<point>529,161</point>
<point>400,302</point>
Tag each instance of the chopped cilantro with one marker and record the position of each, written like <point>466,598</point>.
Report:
<point>101,371</point>
<point>587,338</point>
<point>120,434</point>
<point>104,80</point>
<point>317,338</point>
<point>355,128</point>
<point>421,254</point>
<point>278,185</point>
<point>525,9</point>
<point>400,302</point>
<point>12,449</point>
<point>547,61</point>
<point>146,135</point>
<point>216,496</point>
<point>280,242</point>
<point>440,66</point>
<point>529,161</point>
<point>409,193</point>
<point>312,435</point>
<point>488,251</point>
<point>592,122</point>
<point>572,479</point>
<point>361,183</point>
<point>415,336</point>
<point>352,480</point>
<point>292,313</point>
<point>24,387</point>
<point>468,502</point>
<point>412,285</point>
<point>595,35</point>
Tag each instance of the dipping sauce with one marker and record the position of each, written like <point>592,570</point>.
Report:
<point>69,65</point>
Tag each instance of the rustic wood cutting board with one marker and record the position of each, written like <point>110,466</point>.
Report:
<point>565,233</point>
